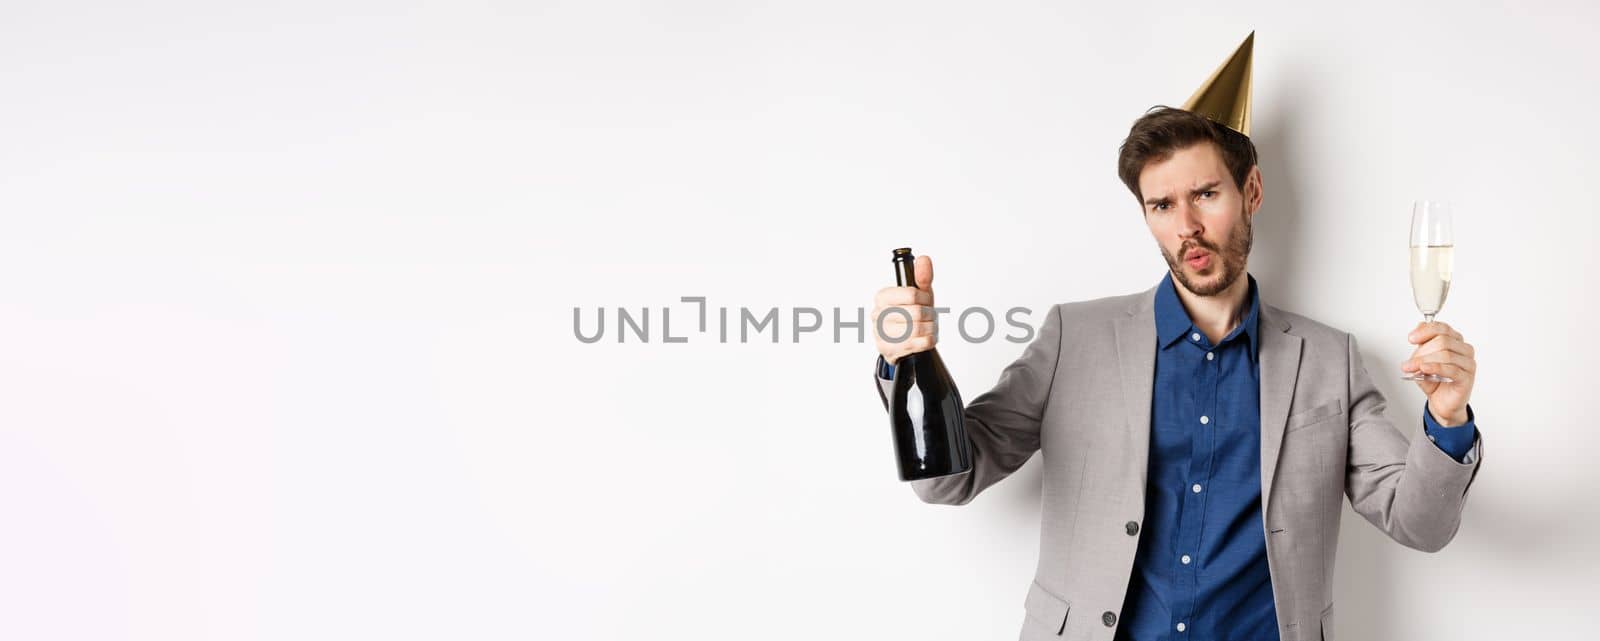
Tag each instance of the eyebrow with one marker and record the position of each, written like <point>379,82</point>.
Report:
<point>1149,202</point>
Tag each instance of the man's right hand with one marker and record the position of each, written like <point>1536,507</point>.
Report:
<point>899,334</point>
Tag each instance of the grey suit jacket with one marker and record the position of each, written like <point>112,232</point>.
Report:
<point>1081,394</point>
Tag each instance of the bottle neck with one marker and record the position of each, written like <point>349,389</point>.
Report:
<point>905,272</point>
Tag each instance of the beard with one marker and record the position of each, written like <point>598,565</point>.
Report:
<point>1228,261</point>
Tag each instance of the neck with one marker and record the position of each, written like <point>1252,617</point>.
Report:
<point>1220,313</point>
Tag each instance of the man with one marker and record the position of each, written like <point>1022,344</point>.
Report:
<point>1197,441</point>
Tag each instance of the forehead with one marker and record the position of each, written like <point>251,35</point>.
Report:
<point>1185,169</point>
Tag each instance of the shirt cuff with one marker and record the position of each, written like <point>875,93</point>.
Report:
<point>1455,441</point>
<point>885,370</point>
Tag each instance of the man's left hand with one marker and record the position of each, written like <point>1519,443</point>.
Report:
<point>1441,350</point>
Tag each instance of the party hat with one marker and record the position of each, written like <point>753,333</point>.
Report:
<point>1224,98</point>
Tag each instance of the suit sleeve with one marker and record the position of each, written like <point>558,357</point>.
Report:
<point>1411,490</point>
<point>1002,424</point>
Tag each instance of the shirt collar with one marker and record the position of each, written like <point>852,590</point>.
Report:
<point>1173,323</point>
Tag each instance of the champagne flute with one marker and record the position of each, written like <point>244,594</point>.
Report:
<point>1432,264</point>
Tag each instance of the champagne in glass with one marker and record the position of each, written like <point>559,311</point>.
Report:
<point>1430,277</point>
<point>1432,264</point>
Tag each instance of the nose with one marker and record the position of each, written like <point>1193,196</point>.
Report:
<point>1189,221</point>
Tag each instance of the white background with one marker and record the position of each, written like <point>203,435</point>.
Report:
<point>287,292</point>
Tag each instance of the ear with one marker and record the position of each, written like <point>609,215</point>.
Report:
<point>1252,190</point>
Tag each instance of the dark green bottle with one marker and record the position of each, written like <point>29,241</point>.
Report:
<point>925,410</point>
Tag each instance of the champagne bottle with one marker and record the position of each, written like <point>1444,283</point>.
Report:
<point>925,410</point>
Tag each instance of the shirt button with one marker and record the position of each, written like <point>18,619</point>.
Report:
<point>1132,527</point>
<point>1185,559</point>
<point>1204,420</point>
<point>1210,356</point>
<point>1195,336</point>
<point>1109,619</point>
<point>1196,488</point>
<point>1182,627</point>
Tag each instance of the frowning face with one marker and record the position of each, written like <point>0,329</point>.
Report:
<point>1199,217</point>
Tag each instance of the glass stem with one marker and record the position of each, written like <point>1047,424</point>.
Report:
<point>1427,318</point>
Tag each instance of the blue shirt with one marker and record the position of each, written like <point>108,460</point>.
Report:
<point>1202,561</point>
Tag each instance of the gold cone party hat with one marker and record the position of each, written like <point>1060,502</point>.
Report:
<point>1224,98</point>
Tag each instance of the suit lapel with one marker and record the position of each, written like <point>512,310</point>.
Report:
<point>1136,361</point>
<point>1280,369</point>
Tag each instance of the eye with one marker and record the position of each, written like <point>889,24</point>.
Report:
<point>1208,194</point>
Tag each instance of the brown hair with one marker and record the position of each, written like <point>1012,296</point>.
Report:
<point>1163,130</point>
